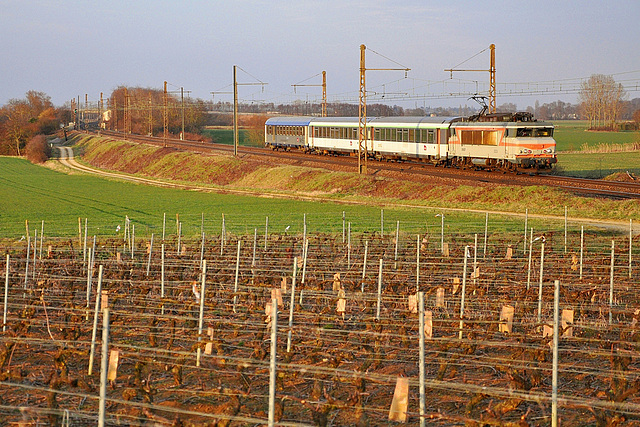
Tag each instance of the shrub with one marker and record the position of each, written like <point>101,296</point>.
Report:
<point>37,149</point>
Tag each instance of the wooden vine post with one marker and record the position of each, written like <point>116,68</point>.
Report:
<point>272,362</point>
<point>464,289</point>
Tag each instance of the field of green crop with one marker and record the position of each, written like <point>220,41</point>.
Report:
<point>34,193</point>
<point>225,136</point>
<point>572,135</point>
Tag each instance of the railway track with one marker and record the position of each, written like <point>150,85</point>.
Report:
<point>406,169</point>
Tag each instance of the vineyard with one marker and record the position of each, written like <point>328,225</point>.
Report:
<point>370,329</point>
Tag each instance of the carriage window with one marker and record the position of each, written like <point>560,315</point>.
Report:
<point>432,136</point>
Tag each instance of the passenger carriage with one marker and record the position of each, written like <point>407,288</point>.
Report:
<point>287,132</point>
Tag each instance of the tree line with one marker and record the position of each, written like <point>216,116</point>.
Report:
<point>24,121</point>
<point>144,111</point>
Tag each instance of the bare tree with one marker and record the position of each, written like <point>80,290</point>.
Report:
<point>17,126</point>
<point>255,129</point>
<point>507,107</point>
<point>146,105</point>
<point>601,101</point>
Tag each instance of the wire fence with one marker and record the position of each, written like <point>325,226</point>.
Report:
<point>354,327</point>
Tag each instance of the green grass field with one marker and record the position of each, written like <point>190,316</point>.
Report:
<point>225,136</point>
<point>572,135</point>
<point>34,193</point>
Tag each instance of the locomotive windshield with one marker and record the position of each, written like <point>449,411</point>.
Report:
<point>534,132</point>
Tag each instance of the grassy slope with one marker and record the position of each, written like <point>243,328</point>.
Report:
<point>231,173</point>
<point>598,165</point>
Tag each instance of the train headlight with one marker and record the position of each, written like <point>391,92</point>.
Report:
<point>525,151</point>
<point>548,150</point>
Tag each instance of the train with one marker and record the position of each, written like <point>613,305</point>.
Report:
<point>496,141</point>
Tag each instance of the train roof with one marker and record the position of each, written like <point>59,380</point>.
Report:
<point>290,121</point>
<point>402,120</point>
<point>398,120</point>
<point>416,120</point>
<point>339,119</point>
<point>511,124</point>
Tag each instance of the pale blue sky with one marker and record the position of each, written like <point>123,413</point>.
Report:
<point>69,48</point>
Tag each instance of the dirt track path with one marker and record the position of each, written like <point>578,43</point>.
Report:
<point>67,159</point>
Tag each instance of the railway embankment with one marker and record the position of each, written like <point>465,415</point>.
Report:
<point>223,172</point>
